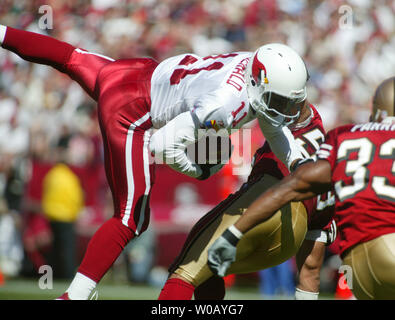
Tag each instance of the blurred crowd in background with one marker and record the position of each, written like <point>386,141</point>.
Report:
<point>48,127</point>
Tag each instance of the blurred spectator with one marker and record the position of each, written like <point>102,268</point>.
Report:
<point>277,280</point>
<point>40,108</point>
<point>11,250</point>
<point>36,232</point>
<point>126,28</point>
<point>141,257</point>
<point>62,201</point>
<point>188,207</point>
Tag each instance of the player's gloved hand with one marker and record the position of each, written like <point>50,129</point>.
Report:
<point>222,252</point>
<point>209,170</point>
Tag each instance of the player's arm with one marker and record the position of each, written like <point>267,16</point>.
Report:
<point>309,261</point>
<point>310,256</point>
<point>307,181</point>
<point>282,143</point>
<point>169,143</point>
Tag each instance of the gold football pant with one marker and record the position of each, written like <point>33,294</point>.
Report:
<point>268,244</point>
<point>373,268</point>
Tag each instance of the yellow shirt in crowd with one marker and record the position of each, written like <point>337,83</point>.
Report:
<point>63,197</point>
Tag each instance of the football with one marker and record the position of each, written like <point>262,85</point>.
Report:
<point>210,150</point>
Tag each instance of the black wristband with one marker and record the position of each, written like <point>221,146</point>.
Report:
<point>228,235</point>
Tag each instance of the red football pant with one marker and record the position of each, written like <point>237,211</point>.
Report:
<point>122,90</point>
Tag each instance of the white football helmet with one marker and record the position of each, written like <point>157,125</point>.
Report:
<point>276,79</point>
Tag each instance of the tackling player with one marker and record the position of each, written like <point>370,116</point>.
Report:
<point>359,162</point>
<point>178,97</point>
<point>270,243</point>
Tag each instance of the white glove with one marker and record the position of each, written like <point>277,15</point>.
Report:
<point>222,252</point>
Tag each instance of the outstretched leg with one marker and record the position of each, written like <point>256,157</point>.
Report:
<point>124,118</point>
<point>78,64</point>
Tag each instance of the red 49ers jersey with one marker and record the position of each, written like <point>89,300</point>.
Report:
<point>319,209</point>
<point>362,158</point>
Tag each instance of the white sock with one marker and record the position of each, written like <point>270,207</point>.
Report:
<point>81,287</point>
<point>3,30</point>
<point>305,295</point>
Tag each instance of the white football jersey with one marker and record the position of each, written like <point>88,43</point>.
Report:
<point>190,92</point>
<point>212,88</point>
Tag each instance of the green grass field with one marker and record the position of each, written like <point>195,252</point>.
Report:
<point>28,289</point>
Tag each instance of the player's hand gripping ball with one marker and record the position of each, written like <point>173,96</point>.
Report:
<point>211,153</point>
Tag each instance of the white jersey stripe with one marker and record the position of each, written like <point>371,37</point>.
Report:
<point>129,175</point>
<point>3,30</point>
<point>129,166</point>
<point>147,181</point>
<point>323,154</point>
<point>95,54</point>
<point>326,146</point>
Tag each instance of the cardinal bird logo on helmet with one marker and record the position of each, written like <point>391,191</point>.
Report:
<point>257,67</point>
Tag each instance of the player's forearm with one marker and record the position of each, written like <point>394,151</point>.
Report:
<point>169,143</point>
<point>265,206</point>
<point>178,161</point>
<point>309,261</point>
<point>282,143</point>
<point>292,188</point>
<point>309,280</point>
<point>174,155</point>
<point>37,48</point>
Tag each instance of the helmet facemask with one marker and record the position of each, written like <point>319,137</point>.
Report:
<point>281,110</point>
<point>277,109</point>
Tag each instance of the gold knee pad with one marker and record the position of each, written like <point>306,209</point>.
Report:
<point>268,244</point>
